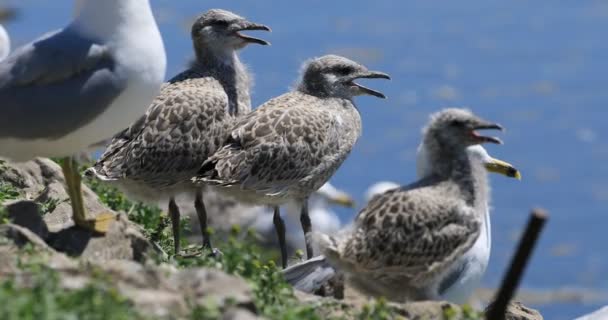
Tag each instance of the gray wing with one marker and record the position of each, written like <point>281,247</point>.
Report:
<point>414,232</point>
<point>170,142</point>
<point>56,85</point>
<point>274,147</point>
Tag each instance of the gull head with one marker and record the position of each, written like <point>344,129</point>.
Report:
<point>478,153</point>
<point>334,76</point>
<point>458,128</point>
<point>222,30</point>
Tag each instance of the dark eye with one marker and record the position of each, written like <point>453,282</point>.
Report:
<point>343,71</point>
<point>457,123</point>
<point>220,23</point>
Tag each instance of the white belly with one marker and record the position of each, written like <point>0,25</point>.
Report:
<point>476,260</point>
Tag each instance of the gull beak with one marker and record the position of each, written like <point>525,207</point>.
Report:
<point>503,168</point>
<point>484,125</point>
<point>370,75</point>
<point>343,200</point>
<point>248,26</point>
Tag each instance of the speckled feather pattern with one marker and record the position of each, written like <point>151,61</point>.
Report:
<point>287,148</point>
<point>406,240</point>
<point>187,122</point>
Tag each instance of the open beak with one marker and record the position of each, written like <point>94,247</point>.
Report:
<point>486,139</point>
<point>502,167</point>
<point>369,75</point>
<point>248,26</point>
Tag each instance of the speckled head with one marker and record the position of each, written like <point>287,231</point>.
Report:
<point>221,29</point>
<point>335,76</point>
<point>456,128</point>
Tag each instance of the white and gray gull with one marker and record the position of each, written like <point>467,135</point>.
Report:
<point>155,158</point>
<point>81,84</point>
<point>408,243</point>
<point>291,145</point>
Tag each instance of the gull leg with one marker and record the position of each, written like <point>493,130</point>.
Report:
<point>101,223</point>
<point>306,227</point>
<point>174,214</point>
<point>201,212</point>
<point>279,226</point>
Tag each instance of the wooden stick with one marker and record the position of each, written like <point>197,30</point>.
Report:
<point>510,282</point>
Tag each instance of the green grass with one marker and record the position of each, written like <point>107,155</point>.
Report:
<point>7,191</point>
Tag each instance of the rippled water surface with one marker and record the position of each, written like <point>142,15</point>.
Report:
<point>538,67</point>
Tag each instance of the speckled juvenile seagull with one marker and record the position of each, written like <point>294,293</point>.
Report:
<point>79,85</point>
<point>293,144</point>
<point>310,275</point>
<point>155,158</point>
<point>406,242</point>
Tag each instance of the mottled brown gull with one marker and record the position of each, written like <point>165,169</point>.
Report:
<point>154,159</point>
<point>407,241</point>
<point>459,285</point>
<point>293,144</point>
<point>79,85</point>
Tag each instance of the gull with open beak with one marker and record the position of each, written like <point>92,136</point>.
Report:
<point>413,242</point>
<point>310,275</point>
<point>154,159</point>
<point>291,145</point>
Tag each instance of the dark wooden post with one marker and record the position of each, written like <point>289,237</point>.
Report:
<point>510,282</point>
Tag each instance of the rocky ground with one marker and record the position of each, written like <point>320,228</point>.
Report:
<point>50,269</point>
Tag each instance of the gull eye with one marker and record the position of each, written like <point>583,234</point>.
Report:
<point>342,71</point>
<point>457,124</point>
<point>220,23</point>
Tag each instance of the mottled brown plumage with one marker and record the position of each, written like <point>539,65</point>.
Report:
<point>188,121</point>
<point>405,240</point>
<point>293,144</point>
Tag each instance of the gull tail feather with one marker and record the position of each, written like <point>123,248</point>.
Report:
<point>310,275</point>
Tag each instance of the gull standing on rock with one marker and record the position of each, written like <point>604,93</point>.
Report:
<point>291,145</point>
<point>78,85</point>
<point>407,242</point>
<point>156,156</point>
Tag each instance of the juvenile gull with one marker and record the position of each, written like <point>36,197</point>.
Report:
<point>293,144</point>
<point>459,285</point>
<point>407,242</point>
<point>80,84</point>
<point>309,275</point>
<point>154,159</point>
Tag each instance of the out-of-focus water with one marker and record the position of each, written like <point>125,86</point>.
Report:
<point>538,67</point>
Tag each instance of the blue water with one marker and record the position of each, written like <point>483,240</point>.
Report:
<point>538,67</point>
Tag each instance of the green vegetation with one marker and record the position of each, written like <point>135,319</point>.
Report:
<point>45,299</point>
<point>7,191</point>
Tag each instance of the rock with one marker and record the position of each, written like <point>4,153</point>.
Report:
<point>517,311</point>
<point>159,291</point>
<point>46,212</point>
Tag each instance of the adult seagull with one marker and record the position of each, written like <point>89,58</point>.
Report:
<point>79,85</point>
